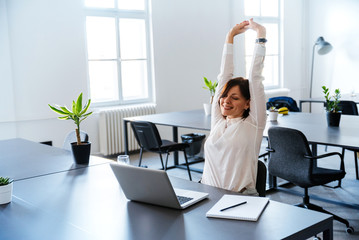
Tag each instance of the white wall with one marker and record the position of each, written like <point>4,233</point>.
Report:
<point>47,64</point>
<point>45,60</point>
<point>7,114</point>
<point>43,56</point>
<point>337,22</point>
<point>188,38</point>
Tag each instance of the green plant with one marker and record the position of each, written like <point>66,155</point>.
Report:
<point>211,86</point>
<point>331,105</point>
<point>5,181</point>
<point>273,109</point>
<point>78,114</point>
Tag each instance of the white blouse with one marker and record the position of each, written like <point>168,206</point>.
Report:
<point>232,148</point>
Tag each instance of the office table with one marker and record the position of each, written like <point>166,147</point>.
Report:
<point>194,119</point>
<point>313,125</point>
<point>21,159</point>
<point>347,97</point>
<point>88,203</point>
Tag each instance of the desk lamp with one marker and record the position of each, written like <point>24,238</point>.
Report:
<point>323,48</point>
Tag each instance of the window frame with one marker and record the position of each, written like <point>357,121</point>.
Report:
<point>118,14</point>
<point>270,20</point>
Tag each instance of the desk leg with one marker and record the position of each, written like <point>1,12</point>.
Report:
<point>125,133</point>
<point>315,152</point>
<point>272,181</point>
<point>328,234</point>
<point>175,139</point>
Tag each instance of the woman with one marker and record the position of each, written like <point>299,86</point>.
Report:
<point>238,120</point>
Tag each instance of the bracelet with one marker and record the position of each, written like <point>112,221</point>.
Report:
<point>261,40</point>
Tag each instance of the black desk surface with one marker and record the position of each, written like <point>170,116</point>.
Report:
<point>20,159</point>
<point>88,203</point>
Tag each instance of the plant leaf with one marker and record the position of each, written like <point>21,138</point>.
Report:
<point>86,107</point>
<point>57,110</point>
<point>64,118</point>
<point>79,104</point>
<point>65,109</point>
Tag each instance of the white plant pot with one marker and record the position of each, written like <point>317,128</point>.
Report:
<point>207,108</point>
<point>6,193</point>
<point>273,116</point>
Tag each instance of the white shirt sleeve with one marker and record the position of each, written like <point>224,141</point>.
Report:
<point>226,73</point>
<point>256,88</point>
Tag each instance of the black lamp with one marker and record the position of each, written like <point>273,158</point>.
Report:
<point>323,48</point>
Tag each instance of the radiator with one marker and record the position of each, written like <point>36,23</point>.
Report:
<point>111,133</point>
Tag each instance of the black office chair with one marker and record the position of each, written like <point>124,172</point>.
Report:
<point>149,139</point>
<point>350,108</point>
<point>283,101</point>
<point>261,179</point>
<point>71,137</point>
<point>291,159</point>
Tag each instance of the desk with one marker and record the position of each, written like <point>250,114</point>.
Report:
<point>88,203</point>
<point>314,126</point>
<point>344,97</point>
<point>21,159</point>
<point>195,119</point>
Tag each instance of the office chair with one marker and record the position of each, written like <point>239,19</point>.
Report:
<point>261,179</point>
<point>350,108</point>
<point>71,137</point>
<point>283,101</point>
<point>291,159</point>
<point>149,139</point>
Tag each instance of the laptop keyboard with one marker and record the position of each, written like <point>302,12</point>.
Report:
<point>183,200</point>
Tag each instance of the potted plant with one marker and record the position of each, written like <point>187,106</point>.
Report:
<point>273,114</point>
<point>211,86</point>
<point>332,108</point>
<point>6,185</point>
<point>80,150</point>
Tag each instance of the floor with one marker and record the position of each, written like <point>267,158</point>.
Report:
<point>342,201</point>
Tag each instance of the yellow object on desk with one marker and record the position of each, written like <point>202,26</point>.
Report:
<point>283,110</point>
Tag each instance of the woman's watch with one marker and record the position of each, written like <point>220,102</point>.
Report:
<point>261,40</point>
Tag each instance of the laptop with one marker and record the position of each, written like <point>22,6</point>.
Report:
<point>153,187</point>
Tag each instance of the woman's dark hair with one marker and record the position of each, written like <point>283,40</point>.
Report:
<point>243,85</point>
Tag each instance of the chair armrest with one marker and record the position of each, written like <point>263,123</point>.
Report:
<point>269,149</point>
<point>328,155</point>
<point>325,155</point>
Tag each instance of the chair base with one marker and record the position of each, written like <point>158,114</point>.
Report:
<point>306,204</point>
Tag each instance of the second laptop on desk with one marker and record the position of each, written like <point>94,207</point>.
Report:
<point>154,187</point>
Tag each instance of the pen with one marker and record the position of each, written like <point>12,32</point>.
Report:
<point>233,206</point>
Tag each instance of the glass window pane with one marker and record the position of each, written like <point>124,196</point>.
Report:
<point>131,4</point>
<point>273,38</point>
<point>100,3</point>
<point>270,70</point>
<point>132,38</point>
<point>134,79</point>
<point>103,81</point>
<point>250,38</point>
<point>269,8</point>
<point>252,7</point>
<point>101,38</point>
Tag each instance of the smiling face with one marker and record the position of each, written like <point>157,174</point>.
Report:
<point>234,101</point>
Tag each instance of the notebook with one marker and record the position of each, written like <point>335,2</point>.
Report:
<point>250,211</point>
<point>153,187</point>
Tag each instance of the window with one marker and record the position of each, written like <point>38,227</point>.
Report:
<point>267,12</point>
<point>118,50</point>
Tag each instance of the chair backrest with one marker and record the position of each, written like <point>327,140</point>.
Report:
<point>283,101</point>
<point>261,179</point>
<point>286,159</point>
<point>71,137</point>
<point>146,134</point>
<point>348,107</point>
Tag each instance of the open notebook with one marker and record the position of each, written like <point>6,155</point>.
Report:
<point>249,211</point>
